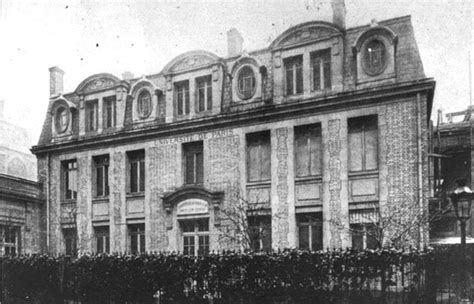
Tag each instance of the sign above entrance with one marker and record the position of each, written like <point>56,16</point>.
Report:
<point>192,206</point>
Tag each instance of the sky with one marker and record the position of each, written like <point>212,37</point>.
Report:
<point>85,37</point>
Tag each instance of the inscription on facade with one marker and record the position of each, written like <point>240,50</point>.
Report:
<point>195,137</point>
<point>192,206</point>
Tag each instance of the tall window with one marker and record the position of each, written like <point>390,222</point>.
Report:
<point>102,239</point>
<point>181,90</point>
<point>204,93</point>
<point>294,75</point>
<point>364,236</point>
<point>91,116</point>
<point>321,68</point>
<point>363,135</point>
<point>246,82</point>
<point>195,236</point>
<point>70,179</point>
<point>136,162</point>
<point>101,164</point>
<point>308,152</point>
<point>258,156</point>
<point>9,240</point>
<point>109,112</point>
<point>260,233</point>
<point>375,60</point>
<point>136,237</point>
<point>70,241</point>
<point>193,162</point>
<point>144,104</point>
<point>310,231</point>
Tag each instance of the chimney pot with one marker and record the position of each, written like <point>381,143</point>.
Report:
<point>234,42</point>
<point>339,13</point>
<point>56,81</point>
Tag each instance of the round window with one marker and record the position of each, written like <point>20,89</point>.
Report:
<point>375,57</point>
<point>61,119</point>
<point>144,104</point>
<point>246,82</point>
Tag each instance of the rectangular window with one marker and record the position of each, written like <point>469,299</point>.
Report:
<point>91,115</point>
<point>70,179</point>
<point>204,93</point>
<point>136,163</point>
<point>70,241</point>
<point>321,69</point>
<point>10,240</point>
<point>260,233</point>
<point>102,239</point>
<point>294,75</point>
<point>109,112</point>
<point>365,236</point>
<point>193,163</point>
<point>258,156</point>
<point>101,164</point>
<point>181,90</point>
<point>308,150</point>
<point>363,139</point>
<point>136,235</point>
<point>310,231</point>
<point>195,236</point>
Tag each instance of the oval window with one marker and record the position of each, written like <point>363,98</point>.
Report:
<point>375,57</point>
<point>246,82</point>
<point>61,119</point>
<point>144,104</point>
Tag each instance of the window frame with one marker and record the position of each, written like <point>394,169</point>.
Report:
<point>67,167</point>
<point>141,103</point>
<point>320,58</point>
<point>242,92</point>
<point>355,230</point>
<point>101,162</point>
<point>295,65</point>
<point>371,70</point>
<point>193,149</point>
<point>110,112</point>
<point>182,98</point>
<point>264,225</point>
<point>136,157</point>
<point>204,85</point>
<point>102,233</point>
<point>305,131</point>
<point>7,233</point>
<point>70,235</point>
<point>195,235</point>
<point>259,139</point>
<point>60,125</point>
<point>91,109</point>
<point>363,125</point>
<point>138,231</point>
<point>311,220</point>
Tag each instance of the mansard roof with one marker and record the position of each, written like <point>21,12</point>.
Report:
<point>190,60</point>
<point>306,31</point>
<point>98,82</point>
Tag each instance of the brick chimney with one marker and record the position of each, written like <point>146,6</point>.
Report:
<point>56,83</point>
<point>339,13</point>
<point>234,42</point>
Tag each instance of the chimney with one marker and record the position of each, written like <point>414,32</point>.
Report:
<point>339,13</point>
<point>234,42</point>
<point>127,75</point>
<point>56,84</point>
<point>2,102</point>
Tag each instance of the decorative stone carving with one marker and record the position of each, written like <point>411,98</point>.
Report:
<point>282,186</point>
<point>305,35</point>
<point>334,146</point>
<point>99,84</point>
<point>191,62</point>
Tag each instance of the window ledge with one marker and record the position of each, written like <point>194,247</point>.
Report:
<point>100,199</point>
<point>136,195</point>
<point>68,201</point>
<point>364,173</point>
<point>259,184</point>
<point>316,178</point>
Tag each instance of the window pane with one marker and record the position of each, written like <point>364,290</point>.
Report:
<point>316,154</point>
<point>189,163</point>
<point>107,244</point>
<point>142,175</point>
<point>253,165</point>
<point>317,237</point>
<point>299,79</point>
<point>133,243</point>
<point>371,149</point>
<point>327,73</point>
<point>355,151</point>
<point>289,82</point>
<point>199,168</point>
<point>209,95</point>
<point>316,75</point>
<point>100,244</point>
<point>203,225</point>
<point>302,156</point>
<point>265,154</point>
<point>201,97</point>
<point>100,181</point>
<point>106,180</point>
<point>133,177</point>
<point>186,97</point>
<point>303,237</point>
<point>180,101</point>
<point>357,237</point>
<point>203,244</point>
<point>142,242</point>
<point>266,236</point>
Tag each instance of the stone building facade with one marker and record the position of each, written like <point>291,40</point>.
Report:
<point>306,136</point>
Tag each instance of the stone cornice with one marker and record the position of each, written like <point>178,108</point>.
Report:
<point>264,114</point>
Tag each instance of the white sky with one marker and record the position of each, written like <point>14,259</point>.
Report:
<point>85,37</point>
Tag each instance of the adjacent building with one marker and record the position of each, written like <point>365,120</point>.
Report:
<point>301,139</point>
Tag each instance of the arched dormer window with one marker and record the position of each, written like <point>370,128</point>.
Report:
<point>61,119</point>
<point>246,82</point>
<point>374,57</point>
<point>144,104</point>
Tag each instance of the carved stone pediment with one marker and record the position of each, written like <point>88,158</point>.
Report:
<point>305,35</point>
<point>97,82</point>
<point>190,60</point>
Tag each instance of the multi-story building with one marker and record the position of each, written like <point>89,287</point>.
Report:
<point>315,129</point>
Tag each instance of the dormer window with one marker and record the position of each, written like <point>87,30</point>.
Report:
<point>181,90</point>
<point>61,120</point>
<point>91,115</point>
<point>374,57</point>
<point>321,69</point>
<point>246,82</point>
<point>204,93</point>
<point>294,75</point>
<point>144,104</point>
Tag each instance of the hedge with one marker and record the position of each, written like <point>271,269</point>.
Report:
<point>225,277</point>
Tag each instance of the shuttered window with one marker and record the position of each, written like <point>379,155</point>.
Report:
<point>308,152</point>
<point>258,156</point>
<point>363,142</point>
